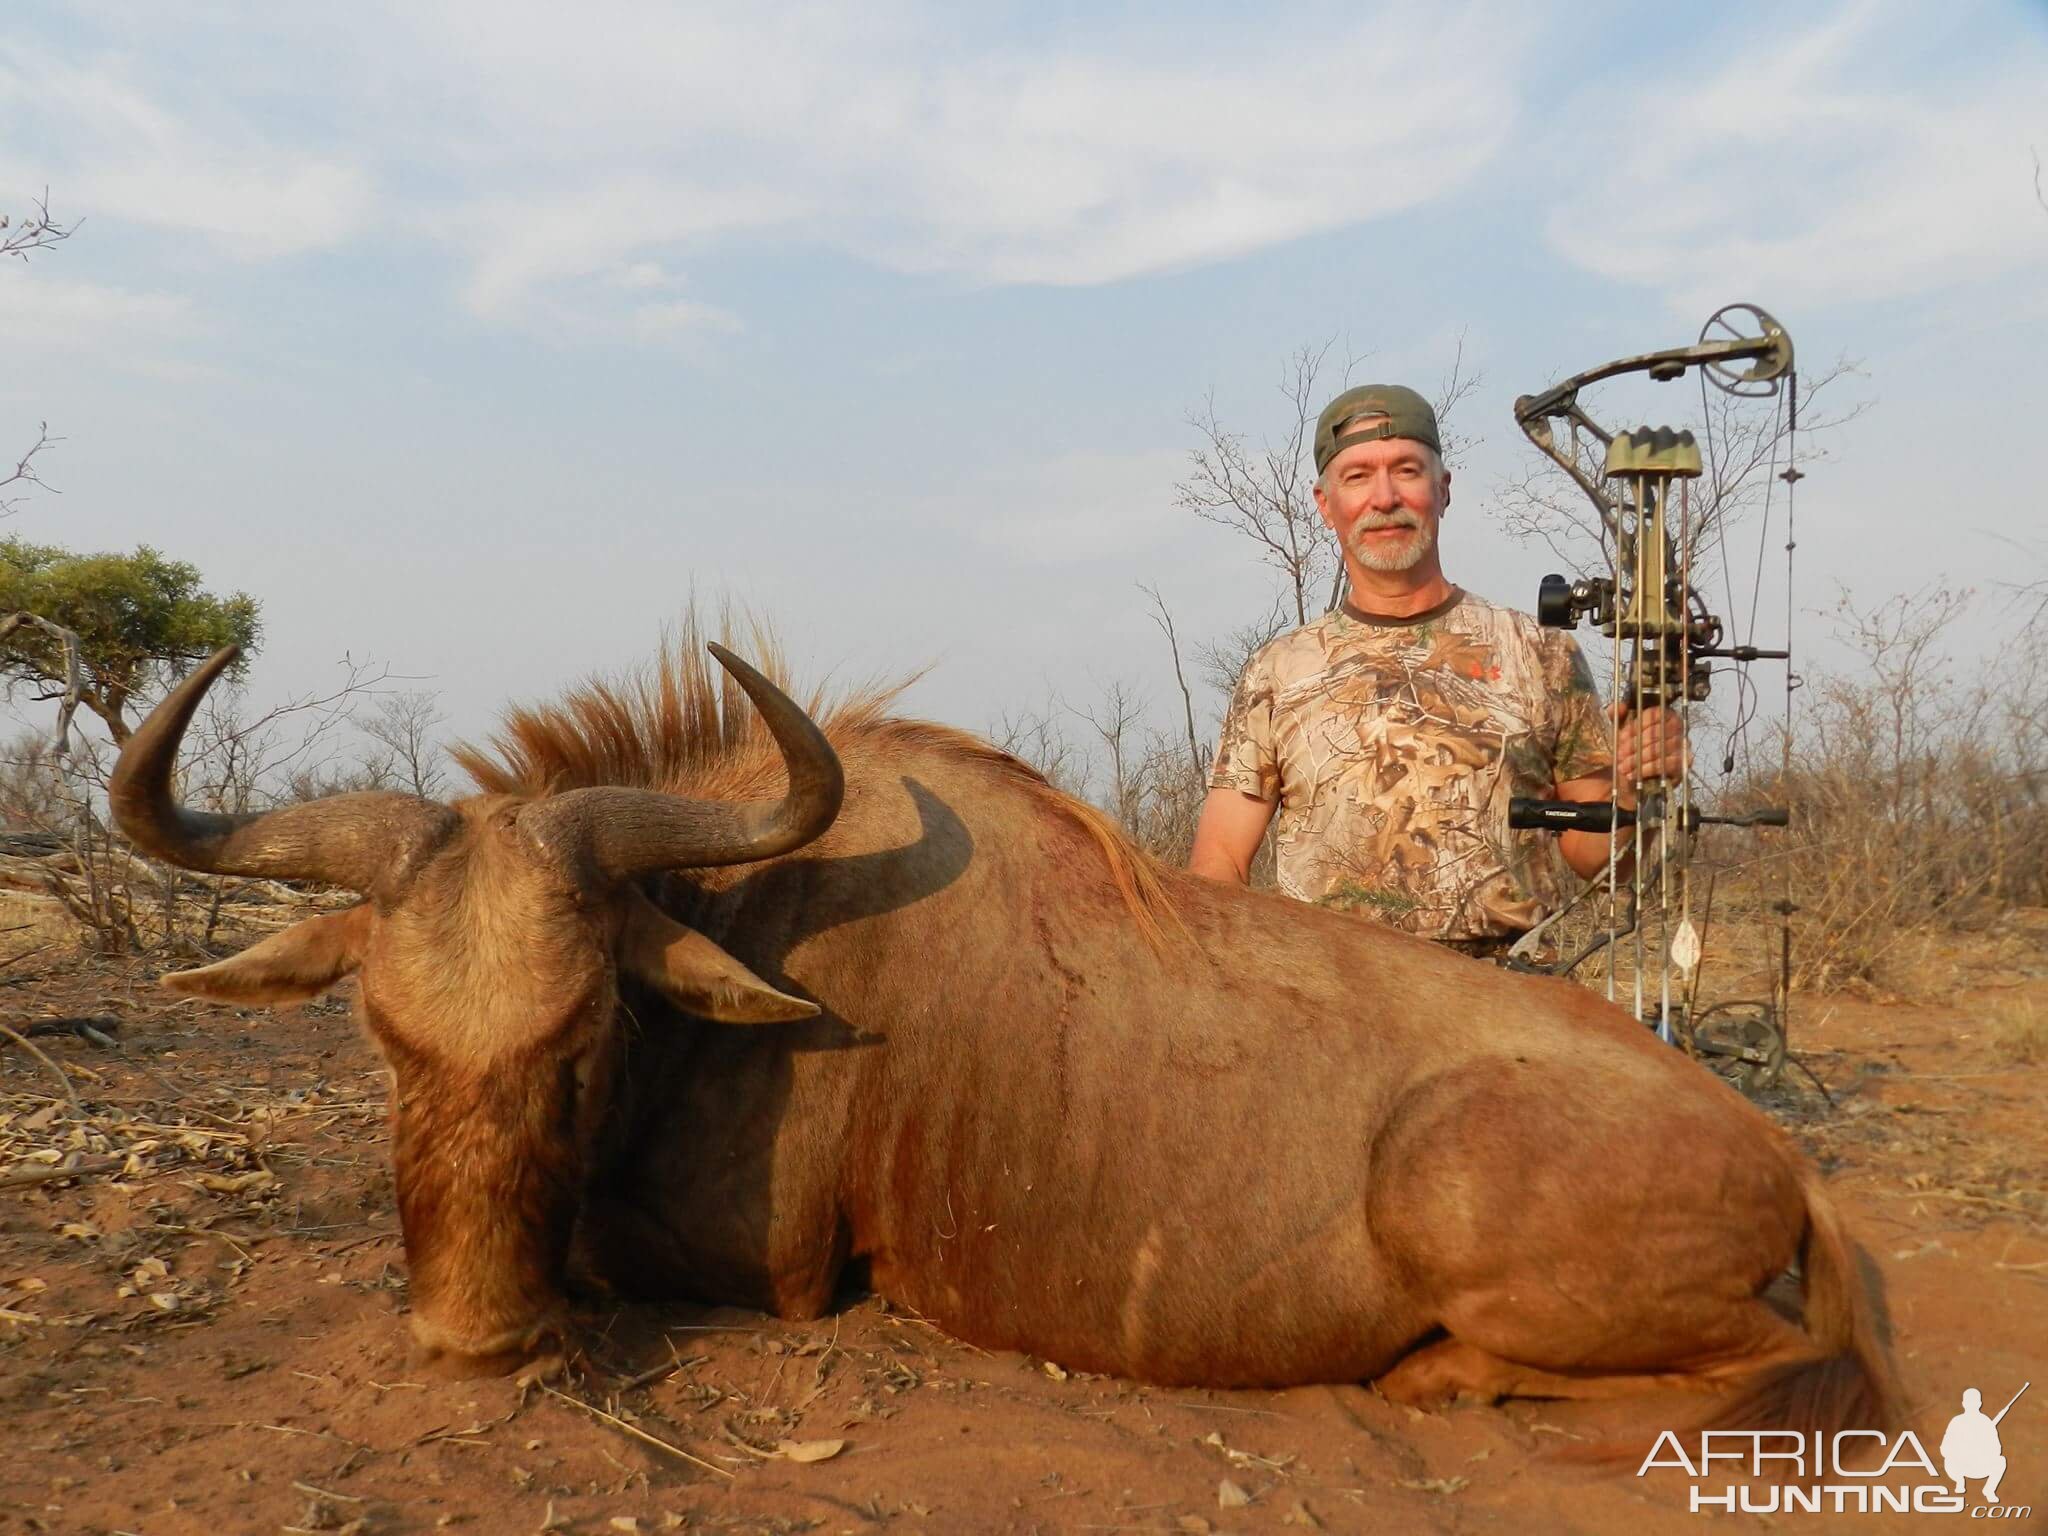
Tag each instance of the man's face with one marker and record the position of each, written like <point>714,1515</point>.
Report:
<point>1383,500</point>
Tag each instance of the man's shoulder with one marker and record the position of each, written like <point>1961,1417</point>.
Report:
<point>1483,612</point>
<point>1512,626</point>
<point>1296,652</point>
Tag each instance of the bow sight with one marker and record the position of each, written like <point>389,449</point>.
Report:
<point>1650,608</point>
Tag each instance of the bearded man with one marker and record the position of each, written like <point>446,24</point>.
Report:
<point>1388,736</point>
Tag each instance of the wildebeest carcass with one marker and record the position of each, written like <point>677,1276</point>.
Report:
<point>925,1013</point>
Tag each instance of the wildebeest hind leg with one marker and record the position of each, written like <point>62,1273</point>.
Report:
<point>1449,1368</point>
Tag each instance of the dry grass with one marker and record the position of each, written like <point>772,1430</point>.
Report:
<point>2019,1030</point>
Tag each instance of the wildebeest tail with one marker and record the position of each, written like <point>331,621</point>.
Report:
<point>1848,1385</point>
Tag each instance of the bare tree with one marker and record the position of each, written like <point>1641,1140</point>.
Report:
<point>35,231</point>
<point>1223,661</point>
<point>1163,617</point>
<point>1451,392</point>
<point>1265,493</point>
<point>403,724</point>
<point>1036,737</point>
<point>24,475</point>
<point>20,235</point>
<point>1118,722</point>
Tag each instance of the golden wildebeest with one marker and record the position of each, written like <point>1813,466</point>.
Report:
<point>1053,1096</point>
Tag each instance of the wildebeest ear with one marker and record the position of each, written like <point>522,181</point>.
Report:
<point>696,974</point>
<point>289,967</point>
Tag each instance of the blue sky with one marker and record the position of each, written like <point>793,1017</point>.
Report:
<point>476,338</point>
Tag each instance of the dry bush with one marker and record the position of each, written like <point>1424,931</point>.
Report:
<point>1919,792</point>
<point>1147,781</point>
<point>2019,1030</point>
<point>56,839</point>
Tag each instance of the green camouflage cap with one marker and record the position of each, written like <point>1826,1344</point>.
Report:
<point>1406,414</point>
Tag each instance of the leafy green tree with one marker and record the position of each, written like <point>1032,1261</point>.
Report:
<point>140,619</point>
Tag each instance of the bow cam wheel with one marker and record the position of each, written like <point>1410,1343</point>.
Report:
<point>1756,377</point>
<point>1743,1043</point>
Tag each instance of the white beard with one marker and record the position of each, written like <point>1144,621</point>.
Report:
<point>1378,555</point>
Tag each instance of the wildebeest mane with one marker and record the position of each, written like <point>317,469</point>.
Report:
<point>680,726</point>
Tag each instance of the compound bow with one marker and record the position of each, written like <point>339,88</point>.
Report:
<point>1651,609</point>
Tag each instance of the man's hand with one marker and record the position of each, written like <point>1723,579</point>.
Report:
<point>1650,745</point>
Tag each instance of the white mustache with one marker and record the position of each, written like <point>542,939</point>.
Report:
<point>1387,520</point>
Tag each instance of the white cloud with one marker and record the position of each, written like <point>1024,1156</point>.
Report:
<point>676,317</point>
<point>109,150</point>
<point>41,312</point>
<point>568,156</point>
<point>611,137</point>
<point>1850,163</point>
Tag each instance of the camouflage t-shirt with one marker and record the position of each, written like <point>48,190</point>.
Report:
<point>1394,746</point>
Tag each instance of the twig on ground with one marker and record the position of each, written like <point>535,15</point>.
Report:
<point>322,1493</point>
<point>1812,1077</point>
<point>84,1168</point>
<point>54,1070</point>
<point>637,1433</point>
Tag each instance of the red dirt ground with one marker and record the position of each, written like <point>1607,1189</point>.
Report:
<point>207,1337</point>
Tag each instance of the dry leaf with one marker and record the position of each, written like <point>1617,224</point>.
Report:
<point>1439,1485</point>
<point>1302,1515</point>
<point>1054,1371</point>
<point>234,1183</point>
<point>1230,1496</point>
<point>810,1450</point>
<point>625,1523</point>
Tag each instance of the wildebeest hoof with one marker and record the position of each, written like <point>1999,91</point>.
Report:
<point>551,1366</point>
<point>538,1354</point>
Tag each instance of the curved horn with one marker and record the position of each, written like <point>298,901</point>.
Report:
<point>355,841</point>
<point>626,832</point>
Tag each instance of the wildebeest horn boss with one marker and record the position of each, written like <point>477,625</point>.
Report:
<point>1055,1097</point>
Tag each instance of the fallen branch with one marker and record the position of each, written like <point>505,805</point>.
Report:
<point>54,1070</point>
<point>84,1168</point>
<point>637,1433</point>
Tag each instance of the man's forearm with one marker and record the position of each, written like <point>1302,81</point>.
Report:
<point>1586,852</point>
<point>1214,864</point>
